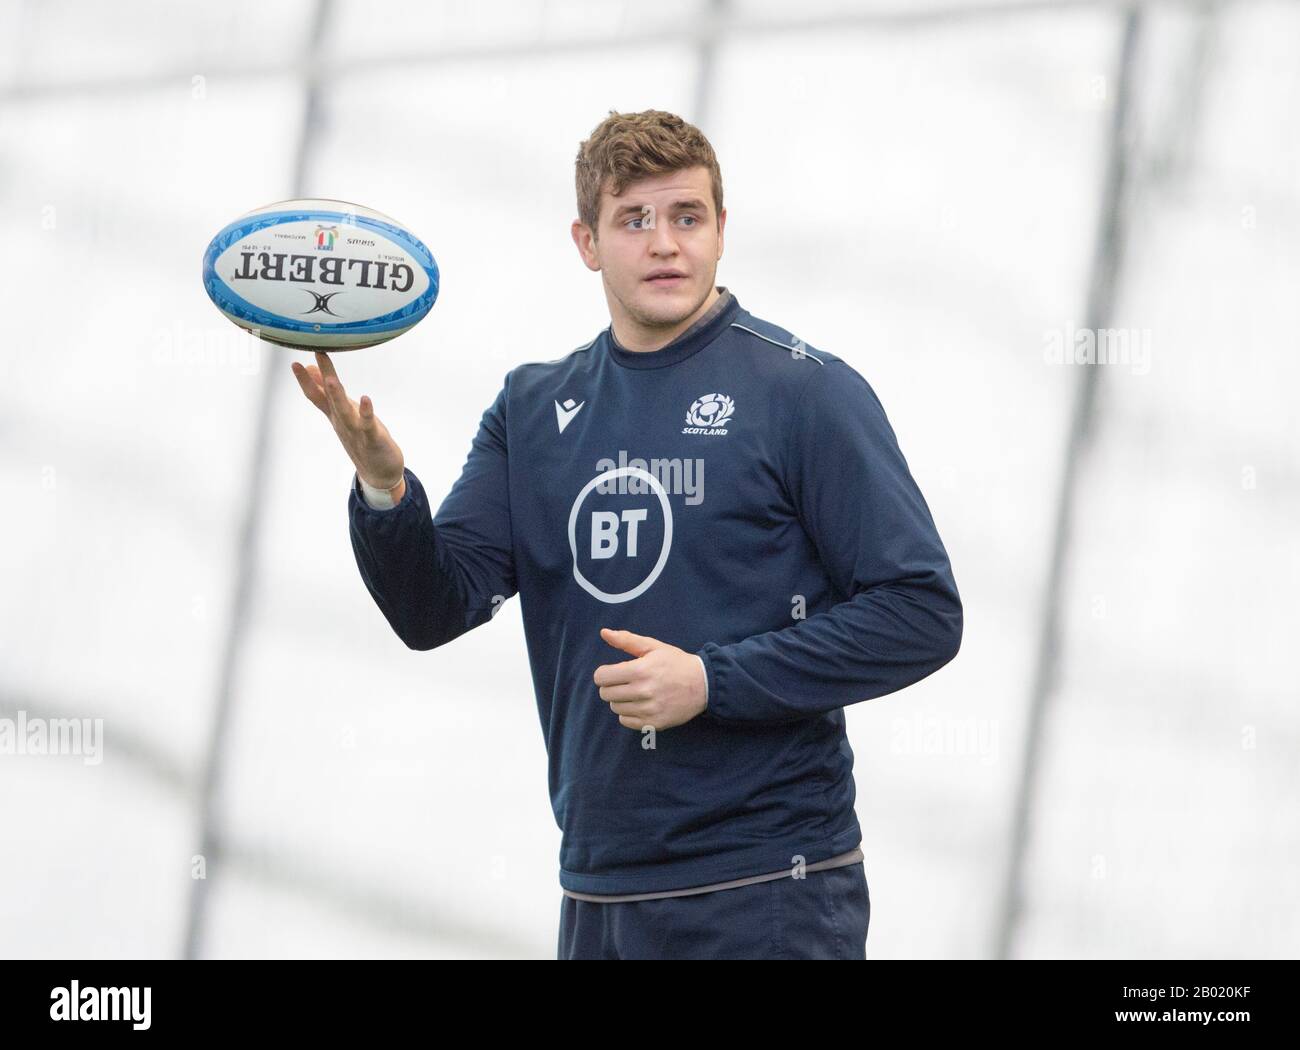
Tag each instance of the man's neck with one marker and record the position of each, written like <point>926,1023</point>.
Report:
<point>641,339</point>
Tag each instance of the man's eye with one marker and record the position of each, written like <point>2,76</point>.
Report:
<point>630,221</point>
<point>693,219</point>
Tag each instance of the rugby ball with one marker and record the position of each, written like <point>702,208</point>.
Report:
<point>320,275</point>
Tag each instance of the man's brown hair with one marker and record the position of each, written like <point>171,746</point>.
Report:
<point>626,147</point>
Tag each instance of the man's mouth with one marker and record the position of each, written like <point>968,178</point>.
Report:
<point>666,278</point>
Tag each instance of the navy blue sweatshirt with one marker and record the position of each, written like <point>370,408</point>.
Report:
<point>737,493</point>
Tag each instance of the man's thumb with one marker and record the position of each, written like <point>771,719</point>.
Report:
<point>636,644</point>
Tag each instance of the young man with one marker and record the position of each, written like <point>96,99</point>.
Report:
<point>718,546</point>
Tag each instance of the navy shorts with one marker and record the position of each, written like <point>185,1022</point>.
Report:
<point>821,916</point>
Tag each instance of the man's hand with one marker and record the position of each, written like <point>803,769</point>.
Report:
<point>663,687</point>
<point>365,439</point>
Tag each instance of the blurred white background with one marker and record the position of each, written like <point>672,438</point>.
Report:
<point>934,191</point>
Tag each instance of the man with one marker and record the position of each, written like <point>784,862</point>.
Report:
<point>694,635</point>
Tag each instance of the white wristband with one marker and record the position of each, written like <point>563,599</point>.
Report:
<point>380,499</point>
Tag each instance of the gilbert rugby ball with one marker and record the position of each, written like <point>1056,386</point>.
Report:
<point>320,275</point>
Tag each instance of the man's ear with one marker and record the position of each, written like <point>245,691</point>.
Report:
<point>586,242</point>
<point>722,222</point>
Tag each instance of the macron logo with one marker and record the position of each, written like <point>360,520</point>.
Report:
<point>564,413</point>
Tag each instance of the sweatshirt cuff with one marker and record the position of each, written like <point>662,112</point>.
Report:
<point>710,690</point>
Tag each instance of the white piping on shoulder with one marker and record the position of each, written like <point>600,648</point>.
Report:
<point>751,331</point>
<point>575,350</point>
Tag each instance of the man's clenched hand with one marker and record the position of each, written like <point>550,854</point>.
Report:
<point>663,687</point>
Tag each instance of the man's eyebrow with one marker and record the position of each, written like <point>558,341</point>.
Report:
<point>685,203</point>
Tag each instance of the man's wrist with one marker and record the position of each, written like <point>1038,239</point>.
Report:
<point>381,498</point>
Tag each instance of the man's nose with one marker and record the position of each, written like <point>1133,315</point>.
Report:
<point>662,241</point>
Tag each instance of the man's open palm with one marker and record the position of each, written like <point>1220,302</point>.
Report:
<point>365,439</point>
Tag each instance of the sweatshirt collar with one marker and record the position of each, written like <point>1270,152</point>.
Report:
<point>696,338</point>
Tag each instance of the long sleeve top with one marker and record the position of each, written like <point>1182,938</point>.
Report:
<point>737,493</point>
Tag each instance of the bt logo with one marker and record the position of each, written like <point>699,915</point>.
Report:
<point>604,531</point>
<point>614,535</point>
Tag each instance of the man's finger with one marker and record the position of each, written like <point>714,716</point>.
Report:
<point>325,364</point>
<point>623,694</point>
<point>333,386</point>
<point>310,387</point>
<point>367,413</point>
<point>617,674</point>
<point>339,403</point>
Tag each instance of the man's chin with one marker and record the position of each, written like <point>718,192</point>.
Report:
<point>664,306</point>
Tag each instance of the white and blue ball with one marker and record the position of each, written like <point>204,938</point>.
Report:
<point>320,275</point>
